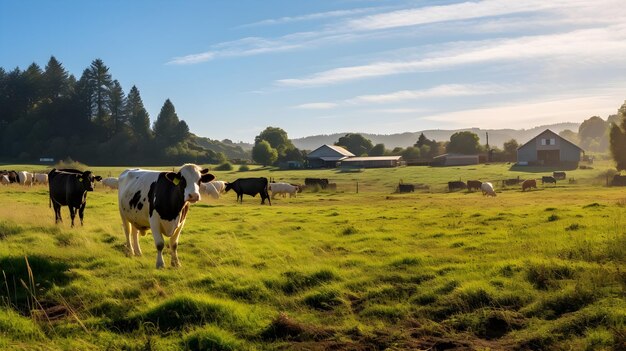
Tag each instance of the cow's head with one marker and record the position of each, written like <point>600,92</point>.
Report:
<point>188,179</point>
<point>87,179</point>
<point>227,187</point>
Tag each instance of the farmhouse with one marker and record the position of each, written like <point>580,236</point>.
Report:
<point>549,149</point>
<point>372,162</point>
<point>327,156</point>
<point>454,160</point>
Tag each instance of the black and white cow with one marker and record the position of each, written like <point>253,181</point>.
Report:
<point>158,201</point>
<point>250,186</point>
<point>69,188</point>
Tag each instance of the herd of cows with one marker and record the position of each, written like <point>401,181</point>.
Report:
<point>159,201</point>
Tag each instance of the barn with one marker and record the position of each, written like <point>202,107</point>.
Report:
<point>549,149</point>
<point>454,160</point>
<point>327,156</point>
<point>372,162</point>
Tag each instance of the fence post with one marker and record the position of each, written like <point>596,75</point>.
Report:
<point>357,187</point>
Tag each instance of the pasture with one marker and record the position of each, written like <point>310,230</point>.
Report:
<point>340,270</point>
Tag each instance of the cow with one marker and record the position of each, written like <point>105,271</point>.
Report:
<point>4,179</point>
<point>283,188</point>
<point>548,179</point>
<point>406,188</point>
<point>321,182</point>
<point>250,186</point>
<point>25,178</point>
<point>487,189</point>
<point>110,182</point>
<point>40,178</point>
<point>158,201</point>
<point>456,185</point>
<point>474,184</point>
<point>559,175</point>
<point>12,175</point>
<point>529,183</point>
<point>70,189</point>
<point>213,188</point>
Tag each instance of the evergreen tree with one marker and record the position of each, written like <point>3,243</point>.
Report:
<point>168,129</point>
<point>138,118</point>
<point>117,106</point>
<point>100,83</point>
<point>56,83</point>
<point>617,135</point>
<point>421,141</point>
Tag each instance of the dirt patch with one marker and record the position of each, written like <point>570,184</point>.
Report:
<point>285,328</point>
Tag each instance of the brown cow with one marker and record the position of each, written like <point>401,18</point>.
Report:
<point>529,183</point>
<point>474,184</point>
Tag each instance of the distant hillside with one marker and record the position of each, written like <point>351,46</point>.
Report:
<point>231,150</point>
<point>497,137</point>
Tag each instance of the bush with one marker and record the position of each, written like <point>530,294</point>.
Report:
<point>226,166</point>
<point>244,168</point>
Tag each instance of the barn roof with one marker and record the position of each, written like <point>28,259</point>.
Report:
<point>456,156</point>
<point>330,151</point>
<point>558,136</point>
<point>373,158</point>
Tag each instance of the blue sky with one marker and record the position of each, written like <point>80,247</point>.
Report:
<point>232,68</point>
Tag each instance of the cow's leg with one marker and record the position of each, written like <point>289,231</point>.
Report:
<point>134,233</point>
<point>127,231</point>
<point>57,213</point>
<point>81,212</point>
<point>72,214</point>
<point>174,246</point>
<point>158,241</point>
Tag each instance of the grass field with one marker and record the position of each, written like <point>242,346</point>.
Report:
<point>373,270</point>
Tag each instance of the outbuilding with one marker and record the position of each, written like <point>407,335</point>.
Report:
<point>454,160</point>
<point>549,149</point>
<point>372,162</point>
<point>327,156</point>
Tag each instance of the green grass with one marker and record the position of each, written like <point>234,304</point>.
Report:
<point>543,269</point>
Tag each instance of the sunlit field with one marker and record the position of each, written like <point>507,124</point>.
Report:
<point>359,268</point>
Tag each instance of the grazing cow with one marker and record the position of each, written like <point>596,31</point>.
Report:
<point>283,188</point>
<point>70,189</point>
<point>474,185</point>
<point>110,182</point>
<point>250,186</point>
<point>25,178</point>
<point>4,179</point>
<point>321,182</point>
<point>456,185</point>
<point>487,189</point>
<point>406,188</point>
<point>529,183</point>
<point>548,179</point>
<point>559,175</point>
<point>40,178</point>
<point>158,201</point>
<point>12,175</point>
<point>213,188</point>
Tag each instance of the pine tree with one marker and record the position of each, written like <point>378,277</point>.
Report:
<point>100,83</point>
<point>56,82</point>
<point>138,118</point>
<point>168,129</point>
<point>117,107</point>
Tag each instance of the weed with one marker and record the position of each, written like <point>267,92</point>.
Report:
<point>350,230</point>
<point>553,218</point>
<point>573,226</point>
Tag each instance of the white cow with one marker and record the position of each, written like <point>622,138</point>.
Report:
<point>213,188</point>
<point>487,189</point>
<point>25,178</point>
<point>4,180</point>
<point>283,188</point>
<point>110,182</point>
<point>158,201</point>
<point>40,178</point>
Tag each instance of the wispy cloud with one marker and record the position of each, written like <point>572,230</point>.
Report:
<point>314,16</point>
<point>446,90</point>
<point>316,106</point>
<point>586,44</point>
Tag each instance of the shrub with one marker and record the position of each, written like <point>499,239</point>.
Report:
<point>244,168</point>
<point>226,166</point>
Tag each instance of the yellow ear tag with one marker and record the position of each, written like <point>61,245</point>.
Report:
<point>80,179</point>
<point>176,181</point>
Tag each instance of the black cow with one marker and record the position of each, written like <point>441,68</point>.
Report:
<point>69,188</point>
<point>456,185</point>
<point>559,175</point>
<point>406,188</point>
<point>548,179</point>
<point>12,175</point>
<point>321,182</point>
<point>474,184</point>
<point>250,186</point>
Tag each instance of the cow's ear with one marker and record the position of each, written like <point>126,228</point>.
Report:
<point>207,178</point>
<point>173,177</point>
<point>204,171</point>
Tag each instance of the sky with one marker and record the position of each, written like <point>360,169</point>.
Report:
<point>234,67</point>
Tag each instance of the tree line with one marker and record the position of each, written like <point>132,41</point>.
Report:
<point>49,113</point>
